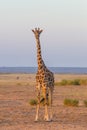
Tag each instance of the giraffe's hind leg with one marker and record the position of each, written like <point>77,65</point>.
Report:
<point>50,103</point>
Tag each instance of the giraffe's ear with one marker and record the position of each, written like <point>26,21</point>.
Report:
<point>32,30</point>
<point>41,31</point>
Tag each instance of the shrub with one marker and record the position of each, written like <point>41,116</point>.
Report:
<point>85,103</point>
<point>71,102</point>
<point>64,82</point>
<point>70,82</point>
<point>76,82</point>
<point>83,82</point>
<point>42,101</point>
<point>33,102</point>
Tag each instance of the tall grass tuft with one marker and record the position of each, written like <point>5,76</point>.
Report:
<point>64,82</point>
<point>83,81</point>
<point>42,101</point>
<point>76,82</point>
<point>33,102</point>
<point>71,102</point>
<point>85,103</point>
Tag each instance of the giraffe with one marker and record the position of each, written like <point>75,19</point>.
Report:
<point>44,81</point>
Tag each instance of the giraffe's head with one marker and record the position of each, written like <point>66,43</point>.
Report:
<point>37,32</point>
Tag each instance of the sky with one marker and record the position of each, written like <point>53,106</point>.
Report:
<point>64,36</point>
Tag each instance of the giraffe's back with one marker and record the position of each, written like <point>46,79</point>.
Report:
<point>45,77</point>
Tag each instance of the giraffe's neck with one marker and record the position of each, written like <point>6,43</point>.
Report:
<point>39,56</point>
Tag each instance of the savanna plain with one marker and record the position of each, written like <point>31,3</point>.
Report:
<point>16,113</point>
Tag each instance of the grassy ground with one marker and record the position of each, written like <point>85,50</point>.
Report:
<point>16,113</point>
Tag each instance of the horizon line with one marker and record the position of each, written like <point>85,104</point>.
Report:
<point>47,66</point>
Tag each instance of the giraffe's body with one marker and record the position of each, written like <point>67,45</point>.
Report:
<point>44,80</point>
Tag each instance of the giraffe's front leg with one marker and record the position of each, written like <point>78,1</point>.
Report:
<point>46,117</point>
<point>38,105</point>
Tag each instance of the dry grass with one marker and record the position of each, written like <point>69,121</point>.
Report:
<point>17,114</point>
<point>71,102</point>
<point>85,103</point>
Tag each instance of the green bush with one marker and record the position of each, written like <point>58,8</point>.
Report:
<point>85,103</point>
<point>71,102</point>
<point>71,82</point>
<point>64,82</point>
<point>76,82</point>
<point>33,102</point>
<point>42,102</point>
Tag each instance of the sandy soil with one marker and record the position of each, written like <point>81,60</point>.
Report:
<point>16,90</point>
